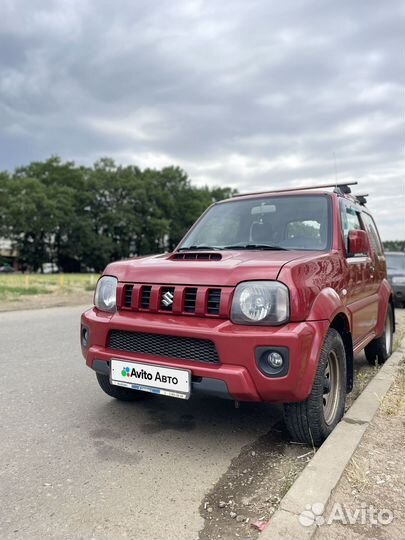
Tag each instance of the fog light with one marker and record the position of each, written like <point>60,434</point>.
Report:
<point>275,360</point>
<point>85,336</point>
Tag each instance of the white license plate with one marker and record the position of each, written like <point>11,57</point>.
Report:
<point>151,378</point>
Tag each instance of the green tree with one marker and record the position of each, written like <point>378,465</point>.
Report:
<point>84,217</point>
<point>30,221</point>
<point>394,245</point>
<point>4,201</point>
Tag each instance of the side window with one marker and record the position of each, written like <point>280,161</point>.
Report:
<point>350,221</point>
<point>372,234</point>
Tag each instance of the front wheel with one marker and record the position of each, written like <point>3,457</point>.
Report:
<point>312,420</point>
<point>380,349</point>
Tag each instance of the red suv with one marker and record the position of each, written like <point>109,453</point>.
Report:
<point>267,298</point>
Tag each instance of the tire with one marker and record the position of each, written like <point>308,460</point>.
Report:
<point>311,421</point>
<point>118,392</point>
<point>380,349</point>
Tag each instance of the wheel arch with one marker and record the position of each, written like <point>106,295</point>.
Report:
<point>392,304</point>
<point>341,324</point>
<point>385,299</point>
<point>328,306</point>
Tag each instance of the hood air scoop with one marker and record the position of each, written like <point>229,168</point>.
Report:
<point>196,256</point>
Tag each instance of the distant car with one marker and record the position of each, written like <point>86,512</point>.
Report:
<point>49,268</point>
<point>6,269</point>
<point>396,275</point>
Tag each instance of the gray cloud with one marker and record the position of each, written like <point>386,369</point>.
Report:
<point>253,94</point>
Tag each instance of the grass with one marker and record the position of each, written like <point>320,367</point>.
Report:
<point>394,401</point>
<point>14,286</point>
<point>358,473</point>
<point>398,336</point>
<point>6,291</point>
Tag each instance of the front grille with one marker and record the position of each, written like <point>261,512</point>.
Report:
<point>145,296</point>
<point>128,295</point>
<point>196,350</point>
<point>190,298</point>
<point>197,300</point>
<point>213,301</point>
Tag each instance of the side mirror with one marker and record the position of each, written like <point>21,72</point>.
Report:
<point>358,243</point>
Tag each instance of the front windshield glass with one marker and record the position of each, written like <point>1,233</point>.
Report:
<point>395,263</point>
<point>299,222</point>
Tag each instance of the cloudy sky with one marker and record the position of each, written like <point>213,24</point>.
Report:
<point>249,93</point>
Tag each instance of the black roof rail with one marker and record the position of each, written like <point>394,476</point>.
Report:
<point>341,188</point>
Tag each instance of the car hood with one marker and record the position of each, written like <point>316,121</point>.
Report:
<point>232,268</point>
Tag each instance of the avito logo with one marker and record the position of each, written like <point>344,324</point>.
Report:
<point>144,375</point>
<point>126,372</point>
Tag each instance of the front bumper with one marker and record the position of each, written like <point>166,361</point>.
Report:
<point>236,346</point>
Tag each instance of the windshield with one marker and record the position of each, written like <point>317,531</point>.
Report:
<point>396,263</point>
<point>286,222</point>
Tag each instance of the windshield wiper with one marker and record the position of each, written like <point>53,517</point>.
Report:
<point>256,246</point>
<point>194,248</point>
<point>235,246</point>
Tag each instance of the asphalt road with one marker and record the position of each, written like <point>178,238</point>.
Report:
<point>76,464</point>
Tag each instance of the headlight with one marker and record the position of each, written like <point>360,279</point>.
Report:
<point>260,302</point>
<point>105,297</point>
<point>398,280</point>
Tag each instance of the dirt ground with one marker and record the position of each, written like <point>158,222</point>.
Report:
<point>251,489</point>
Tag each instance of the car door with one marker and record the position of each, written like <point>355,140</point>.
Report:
<point>361,298</point>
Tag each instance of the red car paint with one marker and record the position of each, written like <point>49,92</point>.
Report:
<point>326,288</point>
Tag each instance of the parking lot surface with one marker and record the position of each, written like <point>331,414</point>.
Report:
<point>77,464</point>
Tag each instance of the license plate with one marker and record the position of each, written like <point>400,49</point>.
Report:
<point>151,378</point>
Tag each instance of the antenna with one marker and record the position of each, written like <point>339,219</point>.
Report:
<point>334,163</point>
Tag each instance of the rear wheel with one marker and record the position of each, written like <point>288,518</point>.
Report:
<point>380,349</point>
<point>118,392</point>
<point>312,420</point>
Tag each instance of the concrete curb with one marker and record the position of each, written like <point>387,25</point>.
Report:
<point>322,474</point>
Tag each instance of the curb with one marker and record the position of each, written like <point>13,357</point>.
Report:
<point>320,477</point>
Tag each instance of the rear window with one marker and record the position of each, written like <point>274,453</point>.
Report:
<point>372,233</point>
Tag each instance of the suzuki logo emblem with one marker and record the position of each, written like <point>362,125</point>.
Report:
<point>167,299</point>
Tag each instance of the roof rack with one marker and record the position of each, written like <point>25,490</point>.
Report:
<point>361,199</point>
<point>341,188</point>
